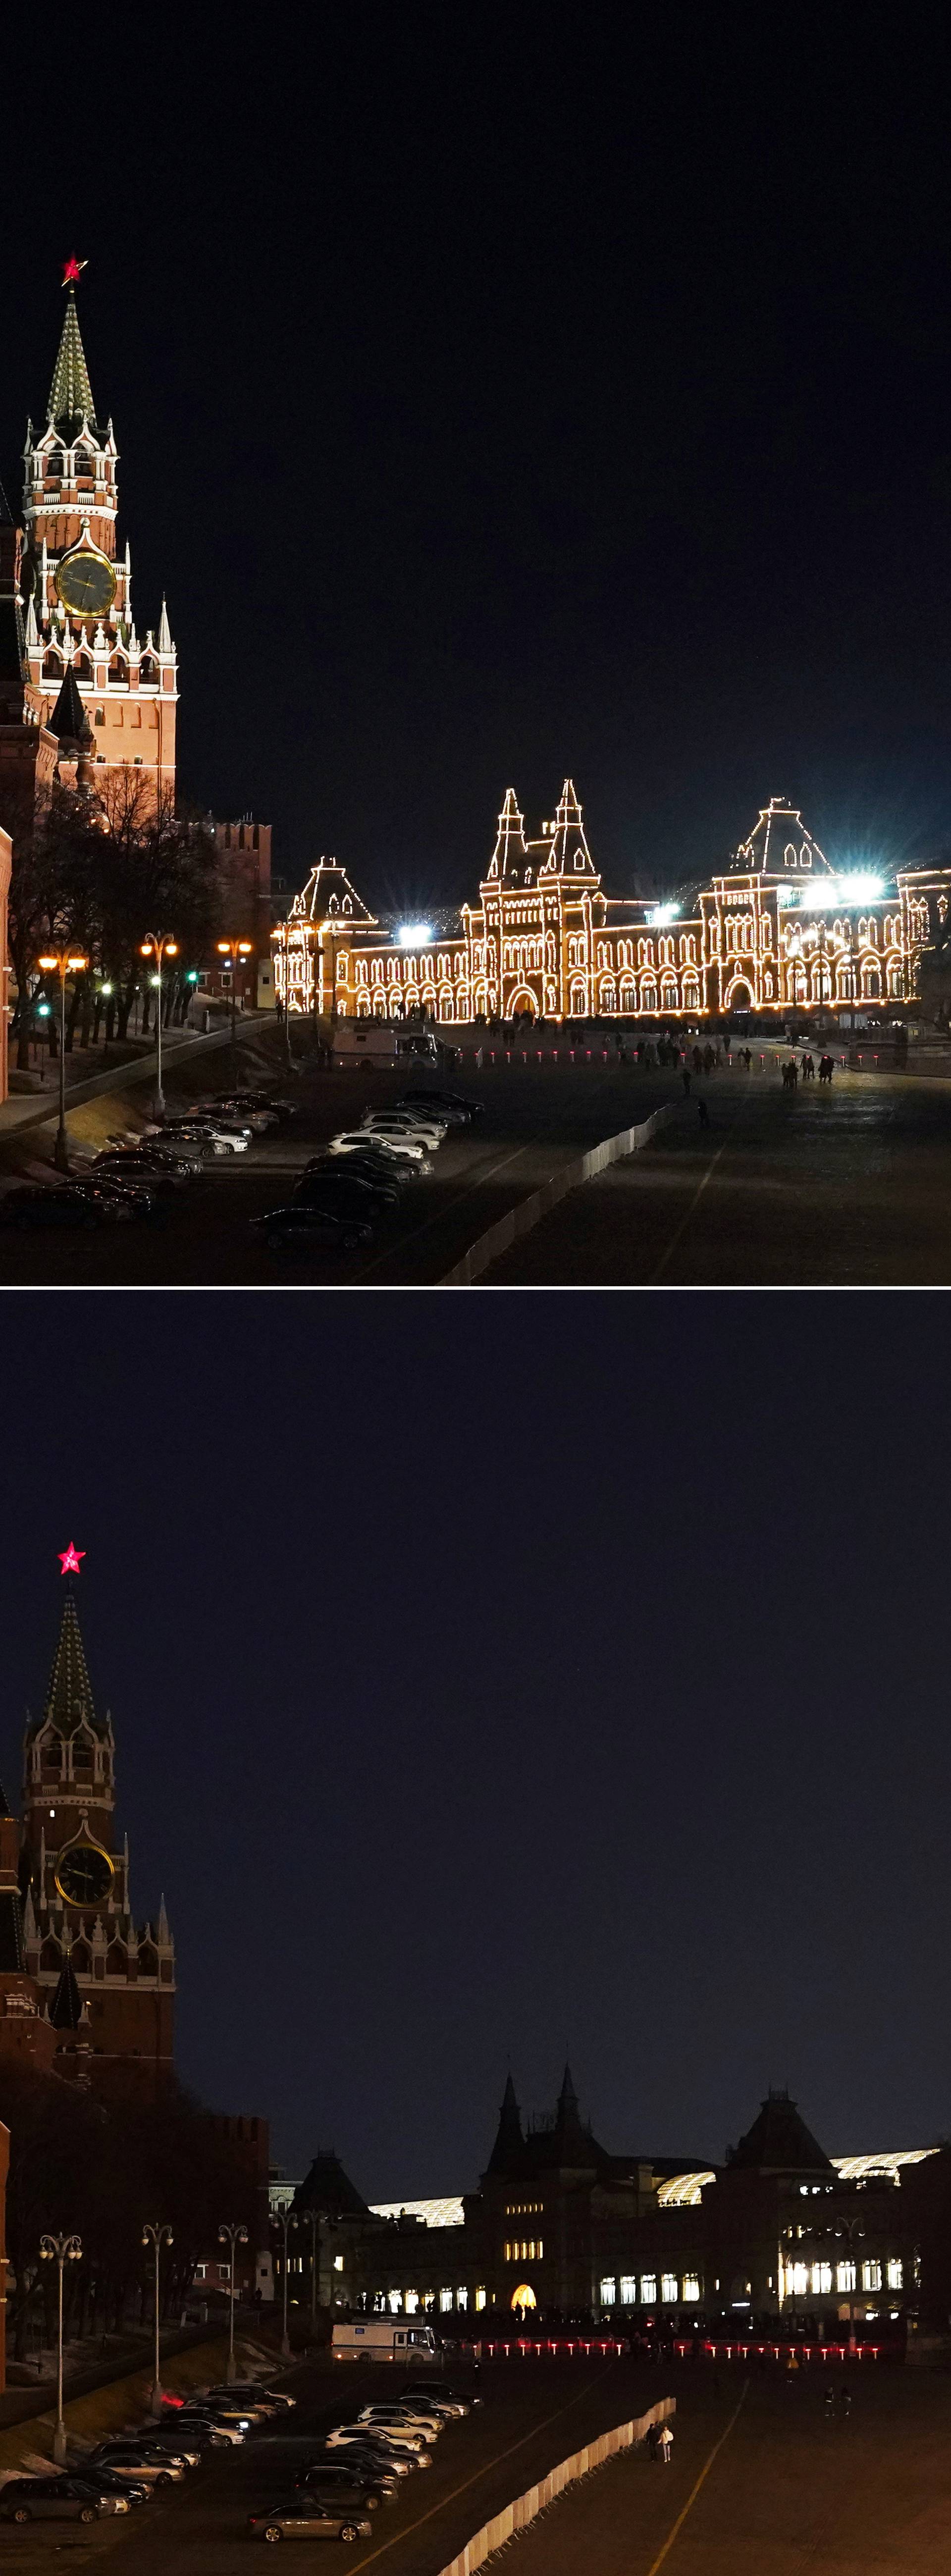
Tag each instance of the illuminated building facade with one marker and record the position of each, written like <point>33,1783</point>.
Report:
<point>778,931</point>
<point>561,2228</point>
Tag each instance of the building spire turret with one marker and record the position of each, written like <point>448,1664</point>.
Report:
<point>70,392</point>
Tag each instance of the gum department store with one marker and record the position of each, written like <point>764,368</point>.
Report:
<point>779,930</point>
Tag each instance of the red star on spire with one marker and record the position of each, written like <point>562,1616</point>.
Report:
<point>69,1558</point>
<point>73,268</point>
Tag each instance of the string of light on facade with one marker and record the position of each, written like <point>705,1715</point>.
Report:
<point>545,942</point>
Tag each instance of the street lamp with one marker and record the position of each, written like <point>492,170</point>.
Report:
<point>281,937</point>
<point>65,961</point>
<point>283,2219</point>
<point>66,2249</point>
<point>231,2234</point>
<point>311,2218</point>
<point>234,948</point>
<point>159,944</point>
<point>158,2236</point>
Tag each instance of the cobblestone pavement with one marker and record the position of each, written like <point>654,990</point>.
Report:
<point>849,1187</point>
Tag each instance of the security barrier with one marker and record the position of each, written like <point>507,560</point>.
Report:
<point>497,1239</point>
<point>516,2517</point>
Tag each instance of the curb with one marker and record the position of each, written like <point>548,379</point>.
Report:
<point>521,1219</point>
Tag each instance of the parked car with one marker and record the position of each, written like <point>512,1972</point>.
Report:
<point>144,2461</point>
<point>398,2418</point>
<point>192,2427</point>
<point>383,1176</point>
<point>303,2518</point>
<point>303,1229</point>
<point>351,2489</point>
<point>355,1140</point>
<point>273,2398</point>
<point>282,1110</point>
<point>364,2454</point>
<point>133,1195</point>
<point>443,1103</point>
<point>345,1191</point>
<point>399,1125</point>
<point>38,1203</point>
<point>154,1162</point>
<point>204,1135</point>
<point>108,2482</point>
<point>403,2443</point>
<point>450,2399</point>
<point>61,2499</point>
<point>231,1111</point>
<point>179,2445</point>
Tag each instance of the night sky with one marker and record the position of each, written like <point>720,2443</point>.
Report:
<point>505,394</point>
<point>494,1682</point>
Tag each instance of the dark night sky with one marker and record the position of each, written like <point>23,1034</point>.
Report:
<point>503,1679</point>
<point>507,393</point>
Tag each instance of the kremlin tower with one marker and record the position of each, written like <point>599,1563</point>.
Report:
<point>66,608</point>
<point>83,1987</point>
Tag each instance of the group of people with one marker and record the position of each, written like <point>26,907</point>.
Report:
<point>660,2442</point>
<point>807,1069</point>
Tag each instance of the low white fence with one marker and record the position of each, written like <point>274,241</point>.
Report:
<point>497,1239</point>
<point>516,2517</point>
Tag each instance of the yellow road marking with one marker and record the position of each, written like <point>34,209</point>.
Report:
<point>483,2472</point>
<point>695,2490</point>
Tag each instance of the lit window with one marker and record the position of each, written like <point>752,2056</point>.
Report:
<point>539,2249</point>
<point>608,2293</point>
<point>668,2288</point>
<point>895,2273</point>
<point>462,2298</point>
<point>412,2302</point>
<point>691,2289</point>
<point>445,2300</point>
<point>628,2289</point>
<point>871,2276</point>
<point>821,2277</point>
<point>648,2289</point>
<point>845,2276</point>
<point>508,2251</point>
<point>396,2302</point>
<point>798,2279</point>
<point>338,2262</point>
<point>480,2298</point>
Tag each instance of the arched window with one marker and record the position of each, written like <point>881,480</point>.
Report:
<point>50,1958</point>
<point>53,1757</point>
<point>148,1960</point>
<point>53,668</point>
<point>789,855</point>
<point>628,997</point>
<point>648,993</point>
<point>83,1756</point>
<point>80,1959</point>
<point>115,1960</point>
<point>83,667</point>
<point>148,673</point>
<point>119,670</point>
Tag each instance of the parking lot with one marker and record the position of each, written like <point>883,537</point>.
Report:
<point>534,1118</point>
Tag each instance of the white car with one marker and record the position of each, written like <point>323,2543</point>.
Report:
<point>356,1140</point>
<point>389,1122</point>
<point>400,2419</point>
<point>200,1132</point>
<point>405,2443</point>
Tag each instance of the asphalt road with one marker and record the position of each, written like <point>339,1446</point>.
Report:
<point>786,2490</point>
<point>762,2487</point>
<point>533,2414</point>
<point>841,1188</point>
<point>535,1118</point>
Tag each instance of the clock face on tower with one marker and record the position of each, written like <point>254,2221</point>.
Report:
<point>86,583</point>
<point>84,1873</point>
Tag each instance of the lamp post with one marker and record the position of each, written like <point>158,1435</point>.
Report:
<point>282,942</point>
<point>159,944</point>
<point>64,2249</point>
<point>235,949</point>
<point>282,2220</point>
<point>158,2236</point>
<point>231,2234</point>
<point>311,2218</point>
<point>65,961</point>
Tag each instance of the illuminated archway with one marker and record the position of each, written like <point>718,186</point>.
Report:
<point>524,2296</point>
<point>739,997</point>
<point>522,1004</point>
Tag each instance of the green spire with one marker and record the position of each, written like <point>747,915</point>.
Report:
<point>71,392</point>
<point>69,1700</point>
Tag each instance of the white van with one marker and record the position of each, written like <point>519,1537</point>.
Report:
<point>372,1042</point>
<point>381,2339</point>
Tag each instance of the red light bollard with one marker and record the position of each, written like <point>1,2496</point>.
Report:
<point>491,1055</point>
<point>554,1055</point>
<point>571,1055</point>
<point>604,1055</point>
<point>539,1052</point>
<point>508,1055</point>
<point>524,1055</point>
<point>587,1055</point>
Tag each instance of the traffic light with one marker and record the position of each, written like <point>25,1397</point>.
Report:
<point>192,975</point>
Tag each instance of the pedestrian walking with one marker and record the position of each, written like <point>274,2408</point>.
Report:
<point>665,2441</point>
<point>652,2431</point>
<point>704,1113</point>
<point>846,2395</point>
<point>828,2402</point>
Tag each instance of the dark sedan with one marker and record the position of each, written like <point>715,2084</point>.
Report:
<point>35,1204</point>
<point>359,1167</point>
<point>304,2519</point>
<point>350,2489</point>
<point>162,1171</point>
<point>302,1229</point>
